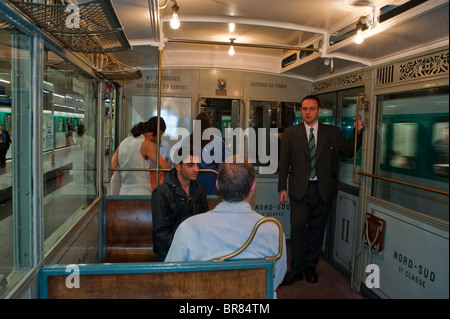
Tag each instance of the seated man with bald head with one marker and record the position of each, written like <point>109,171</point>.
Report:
<point>226,228</point>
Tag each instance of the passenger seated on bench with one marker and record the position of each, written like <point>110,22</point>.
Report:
<point>226,228</point>
<point>177,198</point>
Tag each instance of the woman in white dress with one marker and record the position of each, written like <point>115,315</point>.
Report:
<point>136,151</point>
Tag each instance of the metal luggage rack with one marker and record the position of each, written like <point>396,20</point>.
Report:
<point>97,30</point>
<point>5,25</point>
<point>113,69</point>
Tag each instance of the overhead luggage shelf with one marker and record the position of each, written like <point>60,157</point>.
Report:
<point>91,27</point>
<point>115,70</point>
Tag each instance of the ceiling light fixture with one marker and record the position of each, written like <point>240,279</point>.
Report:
<point>359,38</point>
<point>231,50</point>
<point>369,21</point>
<point>175,21</point>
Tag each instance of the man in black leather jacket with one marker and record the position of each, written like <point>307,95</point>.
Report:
<point>177,198</point>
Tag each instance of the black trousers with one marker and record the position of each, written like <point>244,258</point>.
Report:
<point>3,151</point>
<point>308,221</point>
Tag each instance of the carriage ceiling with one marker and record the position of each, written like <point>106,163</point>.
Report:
<point>326,26</point>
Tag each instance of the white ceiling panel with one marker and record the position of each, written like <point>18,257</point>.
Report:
<point>298,23</point>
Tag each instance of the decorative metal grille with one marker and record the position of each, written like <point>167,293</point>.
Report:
<point>340,82</point>
<point>385,75</point>
<point>425,66</point>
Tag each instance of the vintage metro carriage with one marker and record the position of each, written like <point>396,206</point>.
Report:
<point>110,64</point>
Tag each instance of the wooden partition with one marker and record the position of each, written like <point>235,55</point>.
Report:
<point>232,279</point>
<point>128,228</point>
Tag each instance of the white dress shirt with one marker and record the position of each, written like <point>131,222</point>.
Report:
<point>222,231</point>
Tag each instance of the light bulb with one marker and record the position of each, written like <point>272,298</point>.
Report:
<point>231,51</point>
<point>359,38</point>
<point>175,21</point>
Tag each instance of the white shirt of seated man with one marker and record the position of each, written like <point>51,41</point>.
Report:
<point>224,230</point>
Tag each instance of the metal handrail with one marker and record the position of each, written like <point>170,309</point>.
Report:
<point>150,170</point>
<point>404,183</point>
<point>252,236</point>
<point>154,169</point>
<point>139,169</point>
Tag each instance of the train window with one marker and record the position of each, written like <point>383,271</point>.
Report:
<point>15,203</point>
<point>440,140</point>
<point>70,144</point>
<point>413,149</point>
<point>338,108</point>
<point>275,115</point>
<point>329,103</point>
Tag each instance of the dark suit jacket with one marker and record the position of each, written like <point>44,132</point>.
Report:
<point>295,154</point>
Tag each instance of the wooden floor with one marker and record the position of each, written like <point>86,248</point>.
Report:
<point>331,285</point>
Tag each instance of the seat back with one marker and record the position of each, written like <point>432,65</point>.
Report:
<point>242,279</point>
<point>129,231</point>
<point>128,227</point>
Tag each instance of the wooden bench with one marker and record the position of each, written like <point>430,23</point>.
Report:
<point>231,279</point>
<point>128,229</point>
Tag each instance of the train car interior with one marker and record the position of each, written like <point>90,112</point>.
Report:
<point>77,75</point>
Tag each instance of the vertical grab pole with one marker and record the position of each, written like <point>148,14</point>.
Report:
<point>356,139</point>
<point>158,113</point>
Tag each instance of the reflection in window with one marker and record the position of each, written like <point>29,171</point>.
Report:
<point>266,115</point>
<point>348,102</point>
<point>329,102</point>
<point>383,154</point>
<point>15,249</point>
<point>440,141</point>
<point>69,139</point>
<point>338,108</point>
<point>404,146</point>
<point>413,148</point>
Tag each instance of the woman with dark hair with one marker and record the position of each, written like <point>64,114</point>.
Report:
<point>164,150</point>
<point>136,151</point>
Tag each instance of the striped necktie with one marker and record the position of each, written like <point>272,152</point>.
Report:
<point>312,153</point>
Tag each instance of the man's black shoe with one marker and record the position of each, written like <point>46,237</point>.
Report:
<point>311,275</point>
<point>290,278</point>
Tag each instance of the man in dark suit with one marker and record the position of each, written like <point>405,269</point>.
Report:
<point>311,151</point>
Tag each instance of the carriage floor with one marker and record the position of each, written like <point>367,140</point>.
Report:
<point>331,285</point>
